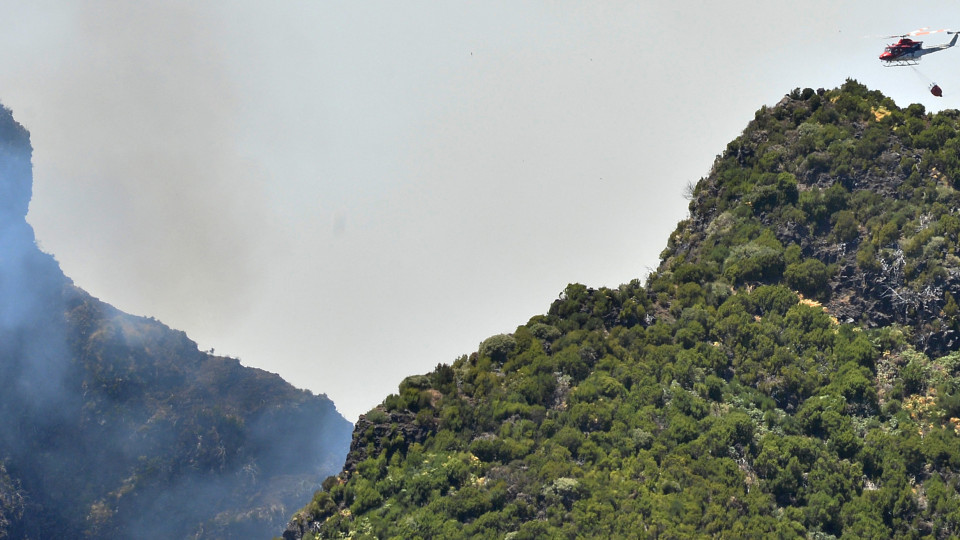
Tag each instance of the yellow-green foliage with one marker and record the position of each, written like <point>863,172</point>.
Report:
<point>723,399</point>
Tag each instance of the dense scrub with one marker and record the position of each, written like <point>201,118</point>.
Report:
<point>789,370</point>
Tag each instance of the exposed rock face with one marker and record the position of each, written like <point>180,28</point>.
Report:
<point>115,426</point>
<point>398,426</point>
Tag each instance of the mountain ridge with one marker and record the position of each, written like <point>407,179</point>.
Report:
<point>790,369</point>
<point>111,423</point>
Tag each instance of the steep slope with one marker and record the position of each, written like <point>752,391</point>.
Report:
<point>115,426</point>
<point>789,370</point>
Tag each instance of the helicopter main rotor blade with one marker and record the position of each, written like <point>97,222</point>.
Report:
<point>918,32</point>
<point>927,31</point>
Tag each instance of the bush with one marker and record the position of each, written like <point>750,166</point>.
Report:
<point>377,416</point>
<point>810,277</point>
<point>544,332</point>
<point>498,347</point>
<point>867,258</point>
<point>845,226</point>
<point>752,262</point>
<point>773,299</point>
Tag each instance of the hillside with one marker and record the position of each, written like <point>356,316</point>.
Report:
<point>790,369</point>
<point>116,426</point>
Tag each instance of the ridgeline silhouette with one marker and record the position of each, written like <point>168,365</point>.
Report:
<point>790,369</point>
<point>116,426</point>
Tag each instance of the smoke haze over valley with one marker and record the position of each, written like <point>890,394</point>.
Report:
<point>110,424</point>
<point>348,193</point>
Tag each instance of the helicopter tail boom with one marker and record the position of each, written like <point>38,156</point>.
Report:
<point>944,46</point>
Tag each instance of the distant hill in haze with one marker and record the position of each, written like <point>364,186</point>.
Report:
<point>791,369</point>
<point>116,426</point>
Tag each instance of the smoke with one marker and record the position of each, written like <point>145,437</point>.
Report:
<point>116,426</point>
<point>31,283</point>
<point>149,134</point>
<point>35,405</point>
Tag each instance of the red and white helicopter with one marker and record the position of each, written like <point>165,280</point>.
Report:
<point>907,52</point>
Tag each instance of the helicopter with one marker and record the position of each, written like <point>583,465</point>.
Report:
<point>907,52</point>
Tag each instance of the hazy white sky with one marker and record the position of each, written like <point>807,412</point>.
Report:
<point>348,192</point>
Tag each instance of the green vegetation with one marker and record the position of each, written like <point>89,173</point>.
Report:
<point>790,370</point>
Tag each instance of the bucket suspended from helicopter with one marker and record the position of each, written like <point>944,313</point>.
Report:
<point>907,52</point>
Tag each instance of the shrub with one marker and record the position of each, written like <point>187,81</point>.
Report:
<point>845,226</point>
<point>810,277</point>
<point>498,347</point>
<point>753,262</point>
<point>544,332</point>
<point>377,416</point>
<point>867,258</point>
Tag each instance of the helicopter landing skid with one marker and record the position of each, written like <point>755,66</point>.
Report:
<point>895,63</point>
